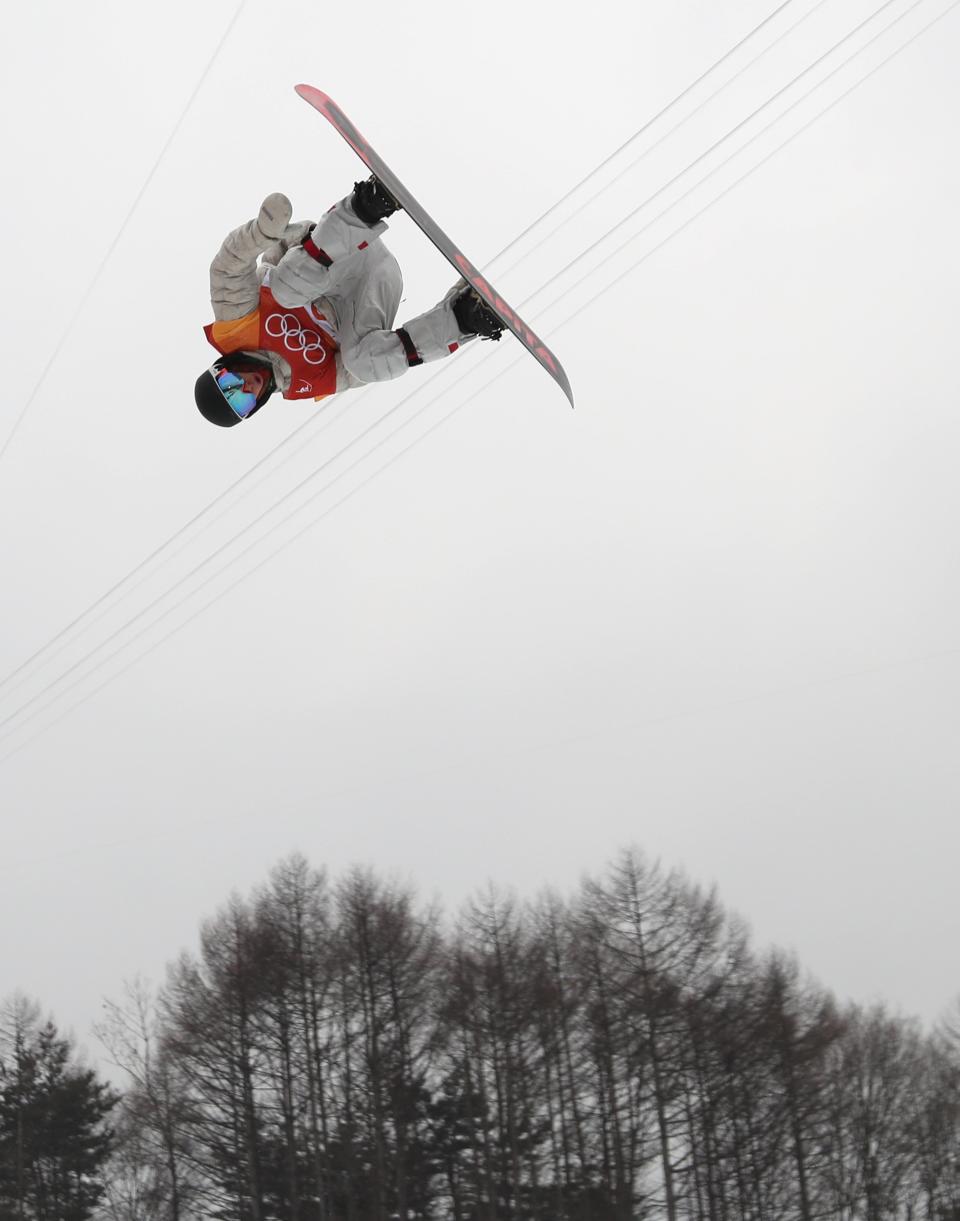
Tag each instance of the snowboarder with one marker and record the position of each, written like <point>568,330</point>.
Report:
<point>308,309</point>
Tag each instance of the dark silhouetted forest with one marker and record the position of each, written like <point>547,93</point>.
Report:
<point>337,1050</point>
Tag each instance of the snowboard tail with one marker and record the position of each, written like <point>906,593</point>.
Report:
<point>425,222</point>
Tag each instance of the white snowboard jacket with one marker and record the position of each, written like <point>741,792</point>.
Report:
<point>355,283</point>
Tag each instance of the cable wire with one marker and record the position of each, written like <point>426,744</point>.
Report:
<point>203,564</point>
<point>81,306</point>
<point>650,123</point>
<point>733,156</point>
<point>578,313</point>
<point>659,141</point>
<point>88,616</point>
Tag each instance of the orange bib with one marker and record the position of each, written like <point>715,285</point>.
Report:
<point>304,339</point>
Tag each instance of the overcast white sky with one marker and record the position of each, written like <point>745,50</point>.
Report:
<point>713,611</point>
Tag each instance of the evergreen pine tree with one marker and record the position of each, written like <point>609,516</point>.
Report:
<point>54,1135</point>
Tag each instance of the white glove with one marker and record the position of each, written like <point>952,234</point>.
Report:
<point>274,217</point>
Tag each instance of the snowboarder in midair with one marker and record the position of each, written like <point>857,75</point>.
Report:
<point>309,309</point>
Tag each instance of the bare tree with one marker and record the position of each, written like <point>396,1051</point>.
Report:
<point>494,1050</point>
<point>389,959</point>
<point>296,907</point>
<point>557,1001</point>
<point>661,937</point>
<point>874,1073</point>
<point>210,1028</point>
<point>334,1053</point>
<point>151,1163</point>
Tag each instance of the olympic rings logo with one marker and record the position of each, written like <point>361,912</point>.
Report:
<point>296,338</point>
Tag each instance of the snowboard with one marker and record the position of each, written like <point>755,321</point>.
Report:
<point>424,221</point>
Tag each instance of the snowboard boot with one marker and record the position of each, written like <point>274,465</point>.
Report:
<point>475,317</point>
<point>372,202</point>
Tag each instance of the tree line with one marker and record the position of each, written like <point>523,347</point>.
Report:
<point>336,1051</point>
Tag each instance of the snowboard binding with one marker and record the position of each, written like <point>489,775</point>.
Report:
<point>372,202</point>
<point>475,317</point>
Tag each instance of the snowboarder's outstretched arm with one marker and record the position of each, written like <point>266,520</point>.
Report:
<point>234,276</point>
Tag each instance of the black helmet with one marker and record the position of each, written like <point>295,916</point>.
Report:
<point>222,399</point>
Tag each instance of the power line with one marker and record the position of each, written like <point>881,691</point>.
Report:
<point>459,407</point>
<point>661,139</point>
<point>119,234</point>
<point>88,617</point>
<point>656,118</point>
<point>756,136</point>
<point>769,157</point>
<point>56,682</point>
<point>749,119</point>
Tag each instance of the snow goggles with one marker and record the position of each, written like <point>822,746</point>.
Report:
<point>241,401</point>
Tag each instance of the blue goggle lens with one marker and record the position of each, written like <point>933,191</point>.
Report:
<point>241,401</point>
